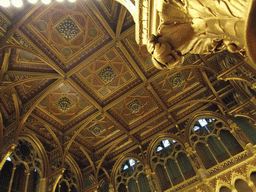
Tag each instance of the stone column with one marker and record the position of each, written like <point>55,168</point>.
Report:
<point>251,185</point>
<point>151,180</point>
<point>42,185</point>
<point>196,163</point>
<point>6,154</point>
<point>10,185</point>
<point>27,179</point>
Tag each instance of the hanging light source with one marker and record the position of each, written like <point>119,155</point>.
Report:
<point>32,1</point>
<point>46,2</point>
<point>5,3</point>
<point>71,1</point>
<point>60,0</point>
<point>17,3</point>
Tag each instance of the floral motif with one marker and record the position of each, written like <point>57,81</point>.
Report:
<point>68,29</point>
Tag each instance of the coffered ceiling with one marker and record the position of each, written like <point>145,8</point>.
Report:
<point>78,81</point>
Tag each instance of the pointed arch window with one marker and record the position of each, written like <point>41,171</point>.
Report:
<point>211,138</point>
<point>170,163</point>
<point>131,176</point>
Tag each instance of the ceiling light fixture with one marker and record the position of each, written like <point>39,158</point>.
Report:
<point>5,3</point>
<point>17,3</point>
<point>32,1</point>
<point>46,2</point>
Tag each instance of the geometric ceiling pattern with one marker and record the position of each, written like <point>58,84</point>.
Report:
<point>76,78</point>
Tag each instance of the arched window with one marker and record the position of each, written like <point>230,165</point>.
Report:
<point>247,127</point>
<point>225,189</point>
<point>130,176</point>
<point>170,163</point>
<point>242,186</point>
<point>68,181</point>
<point>211,138</point>
<point>24,166</point>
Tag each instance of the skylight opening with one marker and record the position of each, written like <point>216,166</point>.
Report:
<point>196,128</point>
<point>202,122</point>
<point>125,167</point>
<point>131,162</point>
<point>159,148</point>
<point>166,143</point>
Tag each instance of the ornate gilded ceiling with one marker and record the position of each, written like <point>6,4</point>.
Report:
<point>78,81</point>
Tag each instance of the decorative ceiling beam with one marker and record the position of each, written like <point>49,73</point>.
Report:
<point>209,84</point>
<point>124,136</point>
<point>127,32</point>
<point>90,160</point>
<point>1,131</point>
<point>96,54</point>
<point>46,123</point>
<point>120,21</point>
<point>130,59</point>
<point>133,131</point>
<point>41,97</point>
<point>130,6</point>
<point>161,103</point>
<point>122,97</point>
<point>5,64</point>
<point>19,19</point>
<point>11,85</point>
<point>103,158</point>
<point>48,128</point>
<point>16,106</point>
<point>86,95</point>
<point>37,74</point>
<point>121,127</point>
<point>42,56</point>
<point>164,72</point>
<point>95,10</point>
<point>77,132</point>
<point>84,147</point>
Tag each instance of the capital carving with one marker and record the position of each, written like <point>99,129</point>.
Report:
<point>236,131</point>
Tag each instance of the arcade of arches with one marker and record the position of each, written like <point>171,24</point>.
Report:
<point>83,109</point>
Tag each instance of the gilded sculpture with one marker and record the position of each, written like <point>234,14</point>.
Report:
<point>197,27</point>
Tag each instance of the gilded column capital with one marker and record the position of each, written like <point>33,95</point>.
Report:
<point>192,154</point>
<point>189,149</point>
<point>111,188</point>
<point>238,134</point>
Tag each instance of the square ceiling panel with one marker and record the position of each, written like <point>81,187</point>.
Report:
<point>107,74</point>
<point>135,108</point>
<point>64,104</point>
<point>173,86</point>
<point>67,31</point>
<point>99,130</point>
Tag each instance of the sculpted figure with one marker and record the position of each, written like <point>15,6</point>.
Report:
<point>197,27</point>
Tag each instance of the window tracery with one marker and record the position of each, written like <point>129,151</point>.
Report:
<point>69,180</point>
<point>131,176</point>
<point>210,137</point>
<point>170,163</point>
<point>25,168</point>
